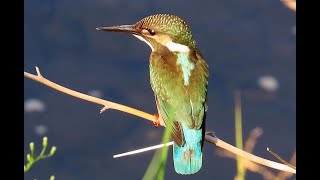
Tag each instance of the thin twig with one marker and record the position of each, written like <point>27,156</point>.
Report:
<point>143,150</point>
<point>111,105</point>
<point>280,158</point>
<point>284,174</point>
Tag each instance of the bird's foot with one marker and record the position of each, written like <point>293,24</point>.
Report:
<point>156,123</point>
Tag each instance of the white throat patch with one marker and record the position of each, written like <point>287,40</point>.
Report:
<point>176,47</point>
<point>173,47</point>
<point>186,65</point>
<point>142,39</point>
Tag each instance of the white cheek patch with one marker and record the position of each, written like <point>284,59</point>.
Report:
<point>186,65</point>
<point>176,47</point>
<point>142,39</point>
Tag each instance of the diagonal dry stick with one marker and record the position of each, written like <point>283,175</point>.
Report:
<point>111,105</point>
<point>249,165</point>
<point>286,175</point>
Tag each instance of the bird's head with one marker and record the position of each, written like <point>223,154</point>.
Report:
<point>160,31</point>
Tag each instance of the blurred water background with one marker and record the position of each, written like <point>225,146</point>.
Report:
<point>249,46</point>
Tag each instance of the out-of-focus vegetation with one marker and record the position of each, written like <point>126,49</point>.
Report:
<point>32,157</point>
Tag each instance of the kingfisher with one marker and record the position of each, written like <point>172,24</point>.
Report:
<point>179,80</point>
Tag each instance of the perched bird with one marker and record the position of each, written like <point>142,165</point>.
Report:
<point>179,79</point>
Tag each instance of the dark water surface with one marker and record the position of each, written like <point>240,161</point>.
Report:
<point>241,41</point>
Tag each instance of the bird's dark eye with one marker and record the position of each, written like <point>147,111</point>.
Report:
<point>151,32</point>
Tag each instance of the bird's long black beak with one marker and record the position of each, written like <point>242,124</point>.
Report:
<point>128,29</point>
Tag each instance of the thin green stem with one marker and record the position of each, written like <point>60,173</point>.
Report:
<point>156,169</point>
<point>238,132</point>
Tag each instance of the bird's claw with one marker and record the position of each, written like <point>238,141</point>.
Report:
<point>156,123</point>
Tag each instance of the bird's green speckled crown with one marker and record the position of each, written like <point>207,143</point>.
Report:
<point>172,25</point>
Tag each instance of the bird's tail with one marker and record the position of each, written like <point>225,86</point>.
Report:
<point>187,159</point>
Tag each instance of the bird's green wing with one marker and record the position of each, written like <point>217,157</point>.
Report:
<point>179,103</point>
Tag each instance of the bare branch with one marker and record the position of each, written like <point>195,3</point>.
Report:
<point>218,142</point>
<point>107,104</point>
<point>111,105</point>
<point>251,166</point>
